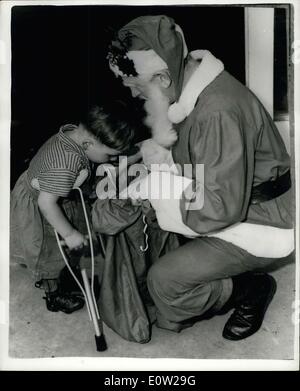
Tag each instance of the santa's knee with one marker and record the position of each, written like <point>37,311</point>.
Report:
<point>162,285</point>
<point>157,281</point>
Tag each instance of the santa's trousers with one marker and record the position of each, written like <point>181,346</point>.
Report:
<point>195,278</point>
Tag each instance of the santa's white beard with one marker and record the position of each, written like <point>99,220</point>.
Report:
<point>157,118</point>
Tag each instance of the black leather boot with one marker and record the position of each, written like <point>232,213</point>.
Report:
<point>56,301</point>
<point>252,293</point>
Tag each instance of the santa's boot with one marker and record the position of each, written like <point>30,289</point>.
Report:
<point>251,296</point>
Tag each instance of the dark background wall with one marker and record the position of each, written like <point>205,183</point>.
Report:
<point>59,64</point>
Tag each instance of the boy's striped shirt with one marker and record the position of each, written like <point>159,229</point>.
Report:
<point>58,163</point>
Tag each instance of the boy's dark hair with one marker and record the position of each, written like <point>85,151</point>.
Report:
<point>111,125</point>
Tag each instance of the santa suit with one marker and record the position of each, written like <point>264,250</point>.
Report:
<point>228,130</point>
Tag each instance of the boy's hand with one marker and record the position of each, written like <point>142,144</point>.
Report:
<point>75,240</point>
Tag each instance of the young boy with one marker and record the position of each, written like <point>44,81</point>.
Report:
<point>40,203</point>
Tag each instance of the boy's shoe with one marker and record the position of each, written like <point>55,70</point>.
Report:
<point>56,301</point>
<point>67,284</point>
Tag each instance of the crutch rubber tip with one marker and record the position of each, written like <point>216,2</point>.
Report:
<point>100,343</point>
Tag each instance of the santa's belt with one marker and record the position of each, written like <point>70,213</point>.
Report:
<point>271,189</point>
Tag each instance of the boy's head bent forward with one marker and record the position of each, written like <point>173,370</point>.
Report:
<point>104,133</point>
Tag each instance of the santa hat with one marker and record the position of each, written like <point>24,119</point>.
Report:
<point>152,43</point>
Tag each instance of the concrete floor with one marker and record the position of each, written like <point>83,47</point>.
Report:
<point>36,332</point>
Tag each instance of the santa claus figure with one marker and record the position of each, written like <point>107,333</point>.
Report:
<point>238,213</point>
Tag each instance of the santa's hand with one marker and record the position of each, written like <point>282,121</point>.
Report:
<point>155,155</point>
<point>156,186</point>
